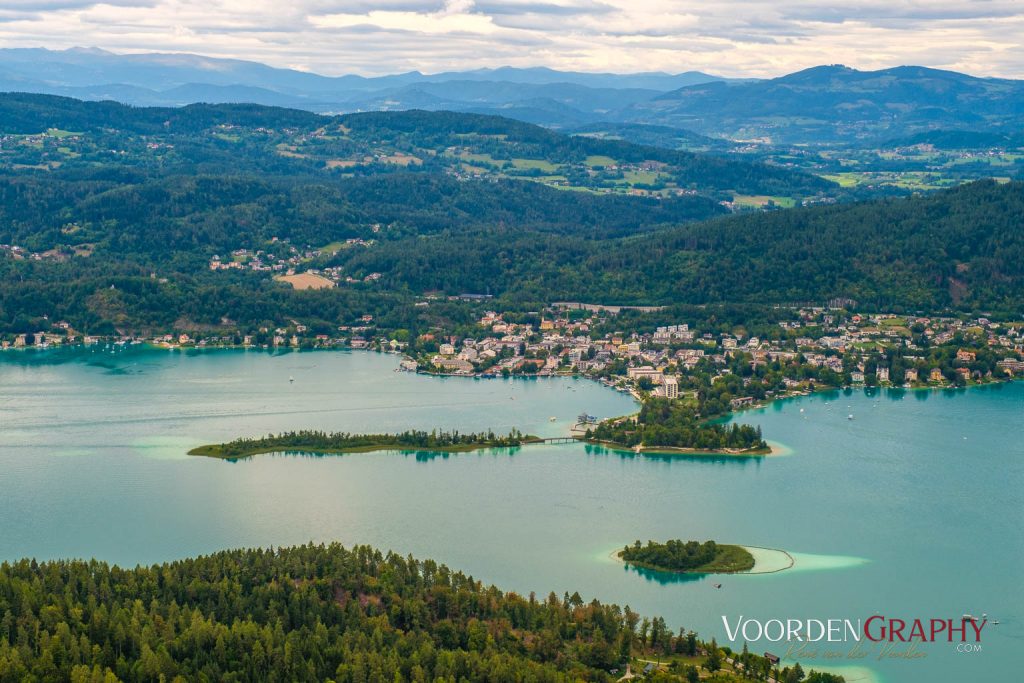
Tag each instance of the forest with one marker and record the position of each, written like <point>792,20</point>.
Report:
<point>959,249</point>
<point>317,613</point>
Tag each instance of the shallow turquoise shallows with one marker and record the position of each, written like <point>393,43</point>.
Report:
<point>912,509</point>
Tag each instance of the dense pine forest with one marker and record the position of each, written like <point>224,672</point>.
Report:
<point>316,613</point>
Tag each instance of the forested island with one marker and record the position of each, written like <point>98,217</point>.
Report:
<point>688,556</point>
<point>666,424</point>
<point>326,613</point>
<point>311,441</point>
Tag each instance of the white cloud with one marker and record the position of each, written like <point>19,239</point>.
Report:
<point>738,37</point>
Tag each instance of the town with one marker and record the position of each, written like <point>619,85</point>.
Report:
<point>816,347</point>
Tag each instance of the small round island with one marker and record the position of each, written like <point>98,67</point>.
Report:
<point>688,556</point>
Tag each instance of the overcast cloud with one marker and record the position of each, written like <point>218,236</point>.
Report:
<point>736,38</point>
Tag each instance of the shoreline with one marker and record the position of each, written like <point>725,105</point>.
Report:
<point>862,387</point>
<point>787,562</point>
<point>771,451</point>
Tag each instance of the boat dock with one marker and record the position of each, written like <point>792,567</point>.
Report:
<point>559,439</point>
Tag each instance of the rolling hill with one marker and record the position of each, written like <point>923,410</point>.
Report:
<point>837,103</point>
<point>959,249</point>
<point>824,104</point>
<point>59,134</point>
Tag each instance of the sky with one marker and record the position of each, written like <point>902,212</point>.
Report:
<point>756,38</point>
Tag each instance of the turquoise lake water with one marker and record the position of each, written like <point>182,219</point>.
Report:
<point>912,509</point>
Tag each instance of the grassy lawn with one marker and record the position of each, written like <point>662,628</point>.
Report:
<point>843,179</point>
<point>575,188</point>
<point>1001,160</point>
<point>598,160</point>
<point>60,134</point>
<point>530,164</point>
<point>332,248</point>
<point>642,177</point>
<point>402,159</point>
<point>757,201</point>
<point>473,157</point>
<point>910,180</point>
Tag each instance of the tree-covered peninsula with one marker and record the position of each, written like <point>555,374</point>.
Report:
<point>688,556</point>
<point>325,613</point>
<point>666,424</point>
<point>311,441</point>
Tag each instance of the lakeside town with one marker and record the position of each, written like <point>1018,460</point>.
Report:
<point>816,347</point>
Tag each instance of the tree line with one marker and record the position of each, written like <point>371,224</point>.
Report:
<point>313,440</point>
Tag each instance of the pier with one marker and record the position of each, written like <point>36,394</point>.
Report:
<point>559,439</point>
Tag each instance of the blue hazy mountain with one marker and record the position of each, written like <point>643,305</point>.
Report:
<point>821,104</point>
<point>839,103</point>
<point>538,94</point>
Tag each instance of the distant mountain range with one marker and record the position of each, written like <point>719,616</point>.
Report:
<point>839,103</point>
<point>833,104</point>
<point>179,79</point>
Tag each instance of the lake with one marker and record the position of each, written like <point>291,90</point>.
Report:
<point>914,508</point>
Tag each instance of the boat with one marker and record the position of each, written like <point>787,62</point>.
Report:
<point>290,378</point>
<point>552,418</point>
<point>850,416</point>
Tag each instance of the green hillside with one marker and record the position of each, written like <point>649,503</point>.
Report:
<point>47,133</point>
<point>959,249</point>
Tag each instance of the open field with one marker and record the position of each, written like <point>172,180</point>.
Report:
<point>758,201</point>
<point>531,164</point>
<point>306,281</point>
<point>598,160</point>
